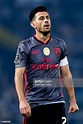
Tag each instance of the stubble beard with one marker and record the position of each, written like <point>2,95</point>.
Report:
<point>45,33</point>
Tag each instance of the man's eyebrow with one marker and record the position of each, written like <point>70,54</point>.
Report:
<point>47,16</point>
<point>43,16</point>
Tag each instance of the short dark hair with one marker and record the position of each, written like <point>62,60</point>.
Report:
<point>37,9</point>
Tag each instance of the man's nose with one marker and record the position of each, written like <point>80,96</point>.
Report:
<point>46,20</point>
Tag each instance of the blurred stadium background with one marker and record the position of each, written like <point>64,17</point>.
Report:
<point>67,23</point>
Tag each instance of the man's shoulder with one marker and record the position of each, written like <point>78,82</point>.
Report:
<point>26,41</point>
<point>57,39</point>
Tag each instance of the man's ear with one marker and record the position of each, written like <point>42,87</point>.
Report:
<point>32,24</point>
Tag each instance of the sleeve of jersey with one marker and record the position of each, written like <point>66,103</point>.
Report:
<point>64,50</point>
<point>64,61</point>
<point>21,56</point>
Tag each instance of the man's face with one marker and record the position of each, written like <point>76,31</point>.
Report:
<point>42,22</point>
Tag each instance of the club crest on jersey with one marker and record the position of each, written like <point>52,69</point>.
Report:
<point>46,51</point>
<point>57,51</point>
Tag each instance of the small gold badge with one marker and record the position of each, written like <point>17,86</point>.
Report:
<point>46,51</point>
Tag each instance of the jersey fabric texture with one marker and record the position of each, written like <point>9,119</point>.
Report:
<point>42,74</point>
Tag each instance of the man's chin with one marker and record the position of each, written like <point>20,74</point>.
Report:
<point>45,33</point>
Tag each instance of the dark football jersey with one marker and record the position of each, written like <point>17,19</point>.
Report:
<point>42,74</point>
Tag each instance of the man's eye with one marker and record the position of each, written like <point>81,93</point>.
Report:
<point>41,18</point>
<point>48,17</point>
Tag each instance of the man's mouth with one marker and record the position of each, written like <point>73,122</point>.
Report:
<point>46,26</point>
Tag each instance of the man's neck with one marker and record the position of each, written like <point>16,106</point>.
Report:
<point>42,37</point>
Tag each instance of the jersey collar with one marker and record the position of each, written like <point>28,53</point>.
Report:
<point>41,40</point>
